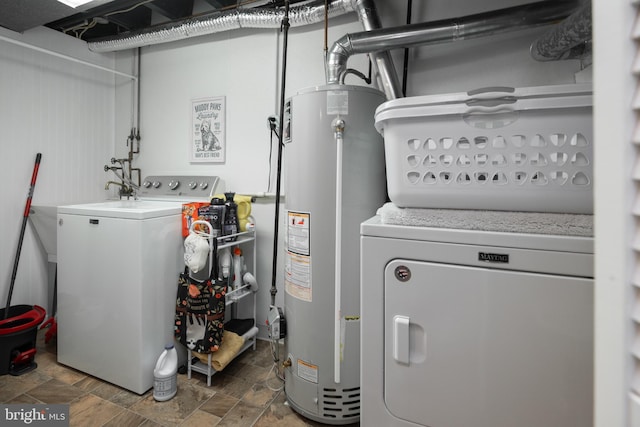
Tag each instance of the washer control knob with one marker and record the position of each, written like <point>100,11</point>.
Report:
<point>204,185</point>
<point>192,185</point>
<point>173,184</point>
<point>156,184</point>
<point>146,184</point>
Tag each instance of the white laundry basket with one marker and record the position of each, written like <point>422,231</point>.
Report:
<point>525,149</point>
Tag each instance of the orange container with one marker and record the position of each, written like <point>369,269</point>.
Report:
<point>190,214</point>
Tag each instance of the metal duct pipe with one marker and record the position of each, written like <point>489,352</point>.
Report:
<point>443,31</point>
<point>246,18</point>
<point>381,60</point>
<point>568,40</point>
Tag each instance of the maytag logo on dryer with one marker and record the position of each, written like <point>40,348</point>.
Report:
<point>497,258</point>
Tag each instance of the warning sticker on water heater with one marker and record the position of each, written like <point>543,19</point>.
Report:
<point>297,276</point>
<point>297,268</point>
<point>308,371</point>
<point>298,232</point>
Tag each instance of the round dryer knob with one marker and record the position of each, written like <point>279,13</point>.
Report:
<point>156,184</point>
<point>173,184</point>
<point>193,185</point>
<point>146,184</point>
<point>204,185</point>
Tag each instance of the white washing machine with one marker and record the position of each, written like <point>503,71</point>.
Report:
<point>468,328</point>
<point>118,266</point>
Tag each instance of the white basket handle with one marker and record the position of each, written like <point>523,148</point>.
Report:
<point>493,98</point>
<point>491,92</point>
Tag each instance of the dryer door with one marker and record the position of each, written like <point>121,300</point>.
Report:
<point>468,346</point>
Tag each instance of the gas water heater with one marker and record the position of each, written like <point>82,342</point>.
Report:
<point>334,180</point>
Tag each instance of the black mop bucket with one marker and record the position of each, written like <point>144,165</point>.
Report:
<point>18,334</point>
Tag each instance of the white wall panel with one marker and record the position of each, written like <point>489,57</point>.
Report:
<point>64,110</point>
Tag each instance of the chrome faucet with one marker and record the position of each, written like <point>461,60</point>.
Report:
<point>126,177</point>
<point>127,187</point>
<point>124,170</point>
<point>106,187</point>
<point>124,191</point>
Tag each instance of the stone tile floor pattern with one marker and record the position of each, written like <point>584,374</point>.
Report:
<point>246,393</point>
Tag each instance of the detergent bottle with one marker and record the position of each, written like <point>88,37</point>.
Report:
<point>217,211</point>
<point>243,210</point>
<point>165,374</point>
<point>230,226</point>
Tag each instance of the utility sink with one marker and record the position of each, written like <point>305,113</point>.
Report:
<point>125,209</point>
<point>127,205</point>
<point>44,221</point>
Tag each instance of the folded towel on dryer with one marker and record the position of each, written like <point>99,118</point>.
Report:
<point>505,221</point>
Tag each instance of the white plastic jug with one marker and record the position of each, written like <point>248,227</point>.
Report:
<point>165,374</point>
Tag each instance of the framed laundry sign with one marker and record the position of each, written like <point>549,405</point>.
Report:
<point>207,140</point>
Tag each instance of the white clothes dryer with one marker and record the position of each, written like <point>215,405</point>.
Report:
<point>465,328</point>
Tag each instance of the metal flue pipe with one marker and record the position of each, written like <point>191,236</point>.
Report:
<point>442,31</point>
<point>381,60</point>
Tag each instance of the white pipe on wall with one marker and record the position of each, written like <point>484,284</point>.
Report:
<point>66,57</point>
<point>338,127</point>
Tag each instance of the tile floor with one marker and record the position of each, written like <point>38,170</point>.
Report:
<point>246,393</point>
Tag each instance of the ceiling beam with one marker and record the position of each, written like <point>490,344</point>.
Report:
<point>139,17</point>
<point>172,9</point>
<point>221,4</point>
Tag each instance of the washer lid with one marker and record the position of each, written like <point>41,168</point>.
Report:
<point>126,209</point>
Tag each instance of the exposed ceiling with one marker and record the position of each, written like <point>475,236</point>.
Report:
<point>107,18</point>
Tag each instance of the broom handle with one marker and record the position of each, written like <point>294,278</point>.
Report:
<point>27,208</point>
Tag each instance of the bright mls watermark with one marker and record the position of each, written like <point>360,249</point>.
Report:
<point>34,415</point>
